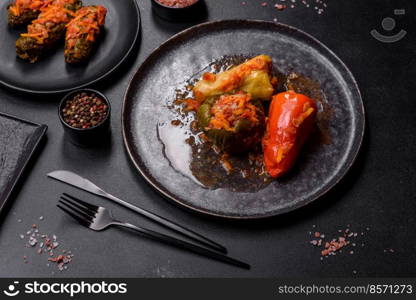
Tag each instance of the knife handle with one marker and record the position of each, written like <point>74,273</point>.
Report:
<point>170,224</point>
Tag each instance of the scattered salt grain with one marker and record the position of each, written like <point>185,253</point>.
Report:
<point>331,247</point>
<point>318,6</point>
<point>47,245</point>
<point>280,6</point>
<point>32,241</point>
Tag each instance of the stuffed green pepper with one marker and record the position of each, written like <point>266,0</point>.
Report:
<point>234,123</point>
<point>82,33</point>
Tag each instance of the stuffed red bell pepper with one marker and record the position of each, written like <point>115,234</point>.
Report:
<point>291,119</point>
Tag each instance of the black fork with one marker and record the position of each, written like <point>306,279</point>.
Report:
<point>99,218</point>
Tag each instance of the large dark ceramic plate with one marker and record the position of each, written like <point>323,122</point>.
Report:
<point>51,74</point>
<point>189,52</point>
<point>19,140</point>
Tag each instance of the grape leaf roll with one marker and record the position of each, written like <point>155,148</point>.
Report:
<point>82,33</point>
<point>43,33</point>
<point>22,12</point>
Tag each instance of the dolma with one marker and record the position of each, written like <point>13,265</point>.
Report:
<point>43,33</point>
<point>82,33</point>
<point>22,12</point>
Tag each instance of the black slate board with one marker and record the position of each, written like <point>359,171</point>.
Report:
<point>190,52</point>
<point>19,140</point>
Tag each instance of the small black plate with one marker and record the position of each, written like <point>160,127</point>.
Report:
<point>51,74</point>
<point>19,140</point>
<point>190,52</point>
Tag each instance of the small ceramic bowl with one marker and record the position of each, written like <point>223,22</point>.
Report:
<point>88,136</point>
<point>170,13</point>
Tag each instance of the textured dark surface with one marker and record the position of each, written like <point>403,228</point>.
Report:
<point>152,91</point>
<point>378,193</point>
<point>18,142</point>
<point>51,73</point>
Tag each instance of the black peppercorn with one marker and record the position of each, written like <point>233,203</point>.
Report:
<point>84,110</point>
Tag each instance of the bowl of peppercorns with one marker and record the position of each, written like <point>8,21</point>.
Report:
<point>85,116</point>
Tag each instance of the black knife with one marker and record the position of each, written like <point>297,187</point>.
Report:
<point>86,185</point>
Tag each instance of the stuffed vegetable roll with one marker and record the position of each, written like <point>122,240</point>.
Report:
<point>22,12</point>
<point>252,77</point>
<point>43,33</point>
<point>234,123</point>
<point>82,33</point>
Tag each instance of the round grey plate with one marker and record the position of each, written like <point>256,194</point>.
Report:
<point>185,54</point>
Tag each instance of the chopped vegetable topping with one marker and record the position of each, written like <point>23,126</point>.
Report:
<point>21,6</point>
<point>50,17</point>
<point>86,24</point>
<point>231,108</point>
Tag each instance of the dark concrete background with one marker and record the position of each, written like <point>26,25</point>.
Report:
<point>378,194</point>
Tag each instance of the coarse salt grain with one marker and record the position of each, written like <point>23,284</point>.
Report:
<point>46,245</point>
<point>331,247</point>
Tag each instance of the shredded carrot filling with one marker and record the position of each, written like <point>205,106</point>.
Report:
<point>21,6</point>
<point>86,24</point>
<point>50,17</point>
<point>231,108</point>
<point>192,104</point>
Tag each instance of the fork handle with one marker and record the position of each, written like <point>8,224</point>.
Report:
<point>183,244</point>
<point>169,224</point>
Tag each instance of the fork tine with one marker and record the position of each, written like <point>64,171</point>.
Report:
<point>81,220</point>
<point>87,205</point>
<point>80,207</point>
<point>76,210</point>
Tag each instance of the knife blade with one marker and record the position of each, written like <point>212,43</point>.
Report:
<point>86,185</point>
